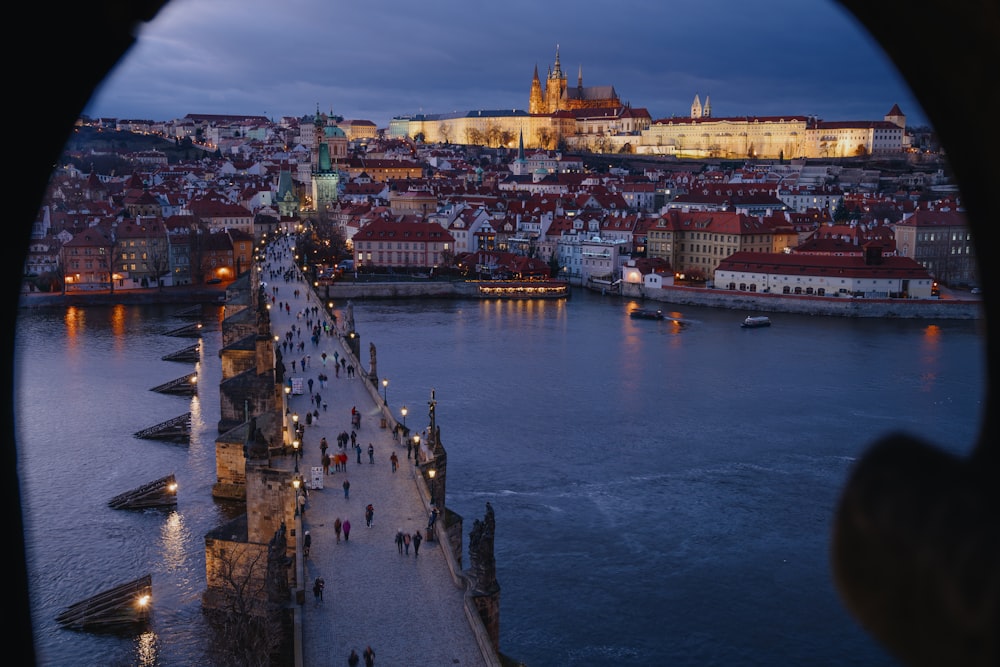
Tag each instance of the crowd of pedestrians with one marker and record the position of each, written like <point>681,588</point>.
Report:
<point>312,339</point>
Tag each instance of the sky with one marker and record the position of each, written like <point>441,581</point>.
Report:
<point>379,59</point>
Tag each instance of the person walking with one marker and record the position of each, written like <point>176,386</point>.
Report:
<point>347,488</point>
<point>347,529</point>
<point>416,543</point>
<point>371,454</point>
<point>326,463</point>
<point>323,444</point>
<point>406,543</point>
<point>336,528</point>
<point>307,541</point>
<point>409,448</point>
<point>399,540</point>
<point>395,461</point>
<point>353,659</point>
<point>369,514</point>
<point>357,448</point>
<point>318,587</point>
<point>369,655</point>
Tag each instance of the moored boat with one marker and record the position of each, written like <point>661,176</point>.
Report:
<point>522,289</point>
<point>756,321</point>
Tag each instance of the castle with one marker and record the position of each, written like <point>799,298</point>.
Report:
<point>557,96</point>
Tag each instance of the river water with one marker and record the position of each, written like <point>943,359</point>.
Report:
<point>663,490</point>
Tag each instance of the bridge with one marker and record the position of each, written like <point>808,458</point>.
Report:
<point>411,608</point>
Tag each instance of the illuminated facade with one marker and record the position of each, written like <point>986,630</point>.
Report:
<point>772,137</point>
<point>557,96</point>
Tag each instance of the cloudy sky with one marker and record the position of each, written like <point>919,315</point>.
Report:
<point>382,58</point>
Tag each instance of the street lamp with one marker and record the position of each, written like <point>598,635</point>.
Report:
<point>416,451</point>
<point>431,473</point>
<point>385,390</point>
<point>403,412</point>
<point>296,482</point>
<point>295,451</point>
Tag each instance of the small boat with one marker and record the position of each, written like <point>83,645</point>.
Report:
<point>643,314</point>
<point>756,321</point>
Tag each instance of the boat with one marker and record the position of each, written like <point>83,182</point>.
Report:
<point>644,314</point>
<point>756,321</point>
<point>522,289</point>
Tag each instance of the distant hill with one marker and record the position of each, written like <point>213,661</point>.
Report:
<point>85,141</point>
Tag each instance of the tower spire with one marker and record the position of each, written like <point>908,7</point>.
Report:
<point>579,78</point>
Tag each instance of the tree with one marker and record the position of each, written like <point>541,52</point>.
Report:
<point>475,136</point>
<point>493,134</point>
<point>445,130</point>
<point>545,137</point>
<point>109,261</point>
<point>841,214</point>
<point>553,266</point>
<point>159,265</point>
<point>248,627</point>
<point>447,258</point>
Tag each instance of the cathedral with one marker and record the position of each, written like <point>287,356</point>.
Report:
<point>557,96</point>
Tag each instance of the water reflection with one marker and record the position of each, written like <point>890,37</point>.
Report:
<point>173,537</point>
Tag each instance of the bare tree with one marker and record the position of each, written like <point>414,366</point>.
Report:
<point>545,137</point>
<point>248,628</point>
<point>445,131</point>
<point>475,136</point>
<point>159,266</point>
<point>111,261</point>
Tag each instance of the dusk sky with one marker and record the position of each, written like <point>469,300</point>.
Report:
<point>383,58</point>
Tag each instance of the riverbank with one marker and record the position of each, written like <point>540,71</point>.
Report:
<point>951,305</point>
<point>186,294</point>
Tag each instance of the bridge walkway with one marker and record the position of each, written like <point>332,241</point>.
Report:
<point>407,607</point>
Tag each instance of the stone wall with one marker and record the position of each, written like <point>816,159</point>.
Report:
<point>813,305</point>
<point>238,358</point>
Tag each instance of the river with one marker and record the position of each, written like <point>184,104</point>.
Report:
<point>663,490</point>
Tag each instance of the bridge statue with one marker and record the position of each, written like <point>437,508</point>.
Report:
<point>482,561</point>
<point>349,318</point>
<point>371,351</point>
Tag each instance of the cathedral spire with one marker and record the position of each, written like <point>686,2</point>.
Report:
<point>579,78</point>
<point>557,68</point>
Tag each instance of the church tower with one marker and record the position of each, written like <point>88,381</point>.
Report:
<point>706,111</point>
<point>330,147</point>
<point>536,103</point>
<point>896,116</point>
<point>555,86</point>
<point>696,107</point>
